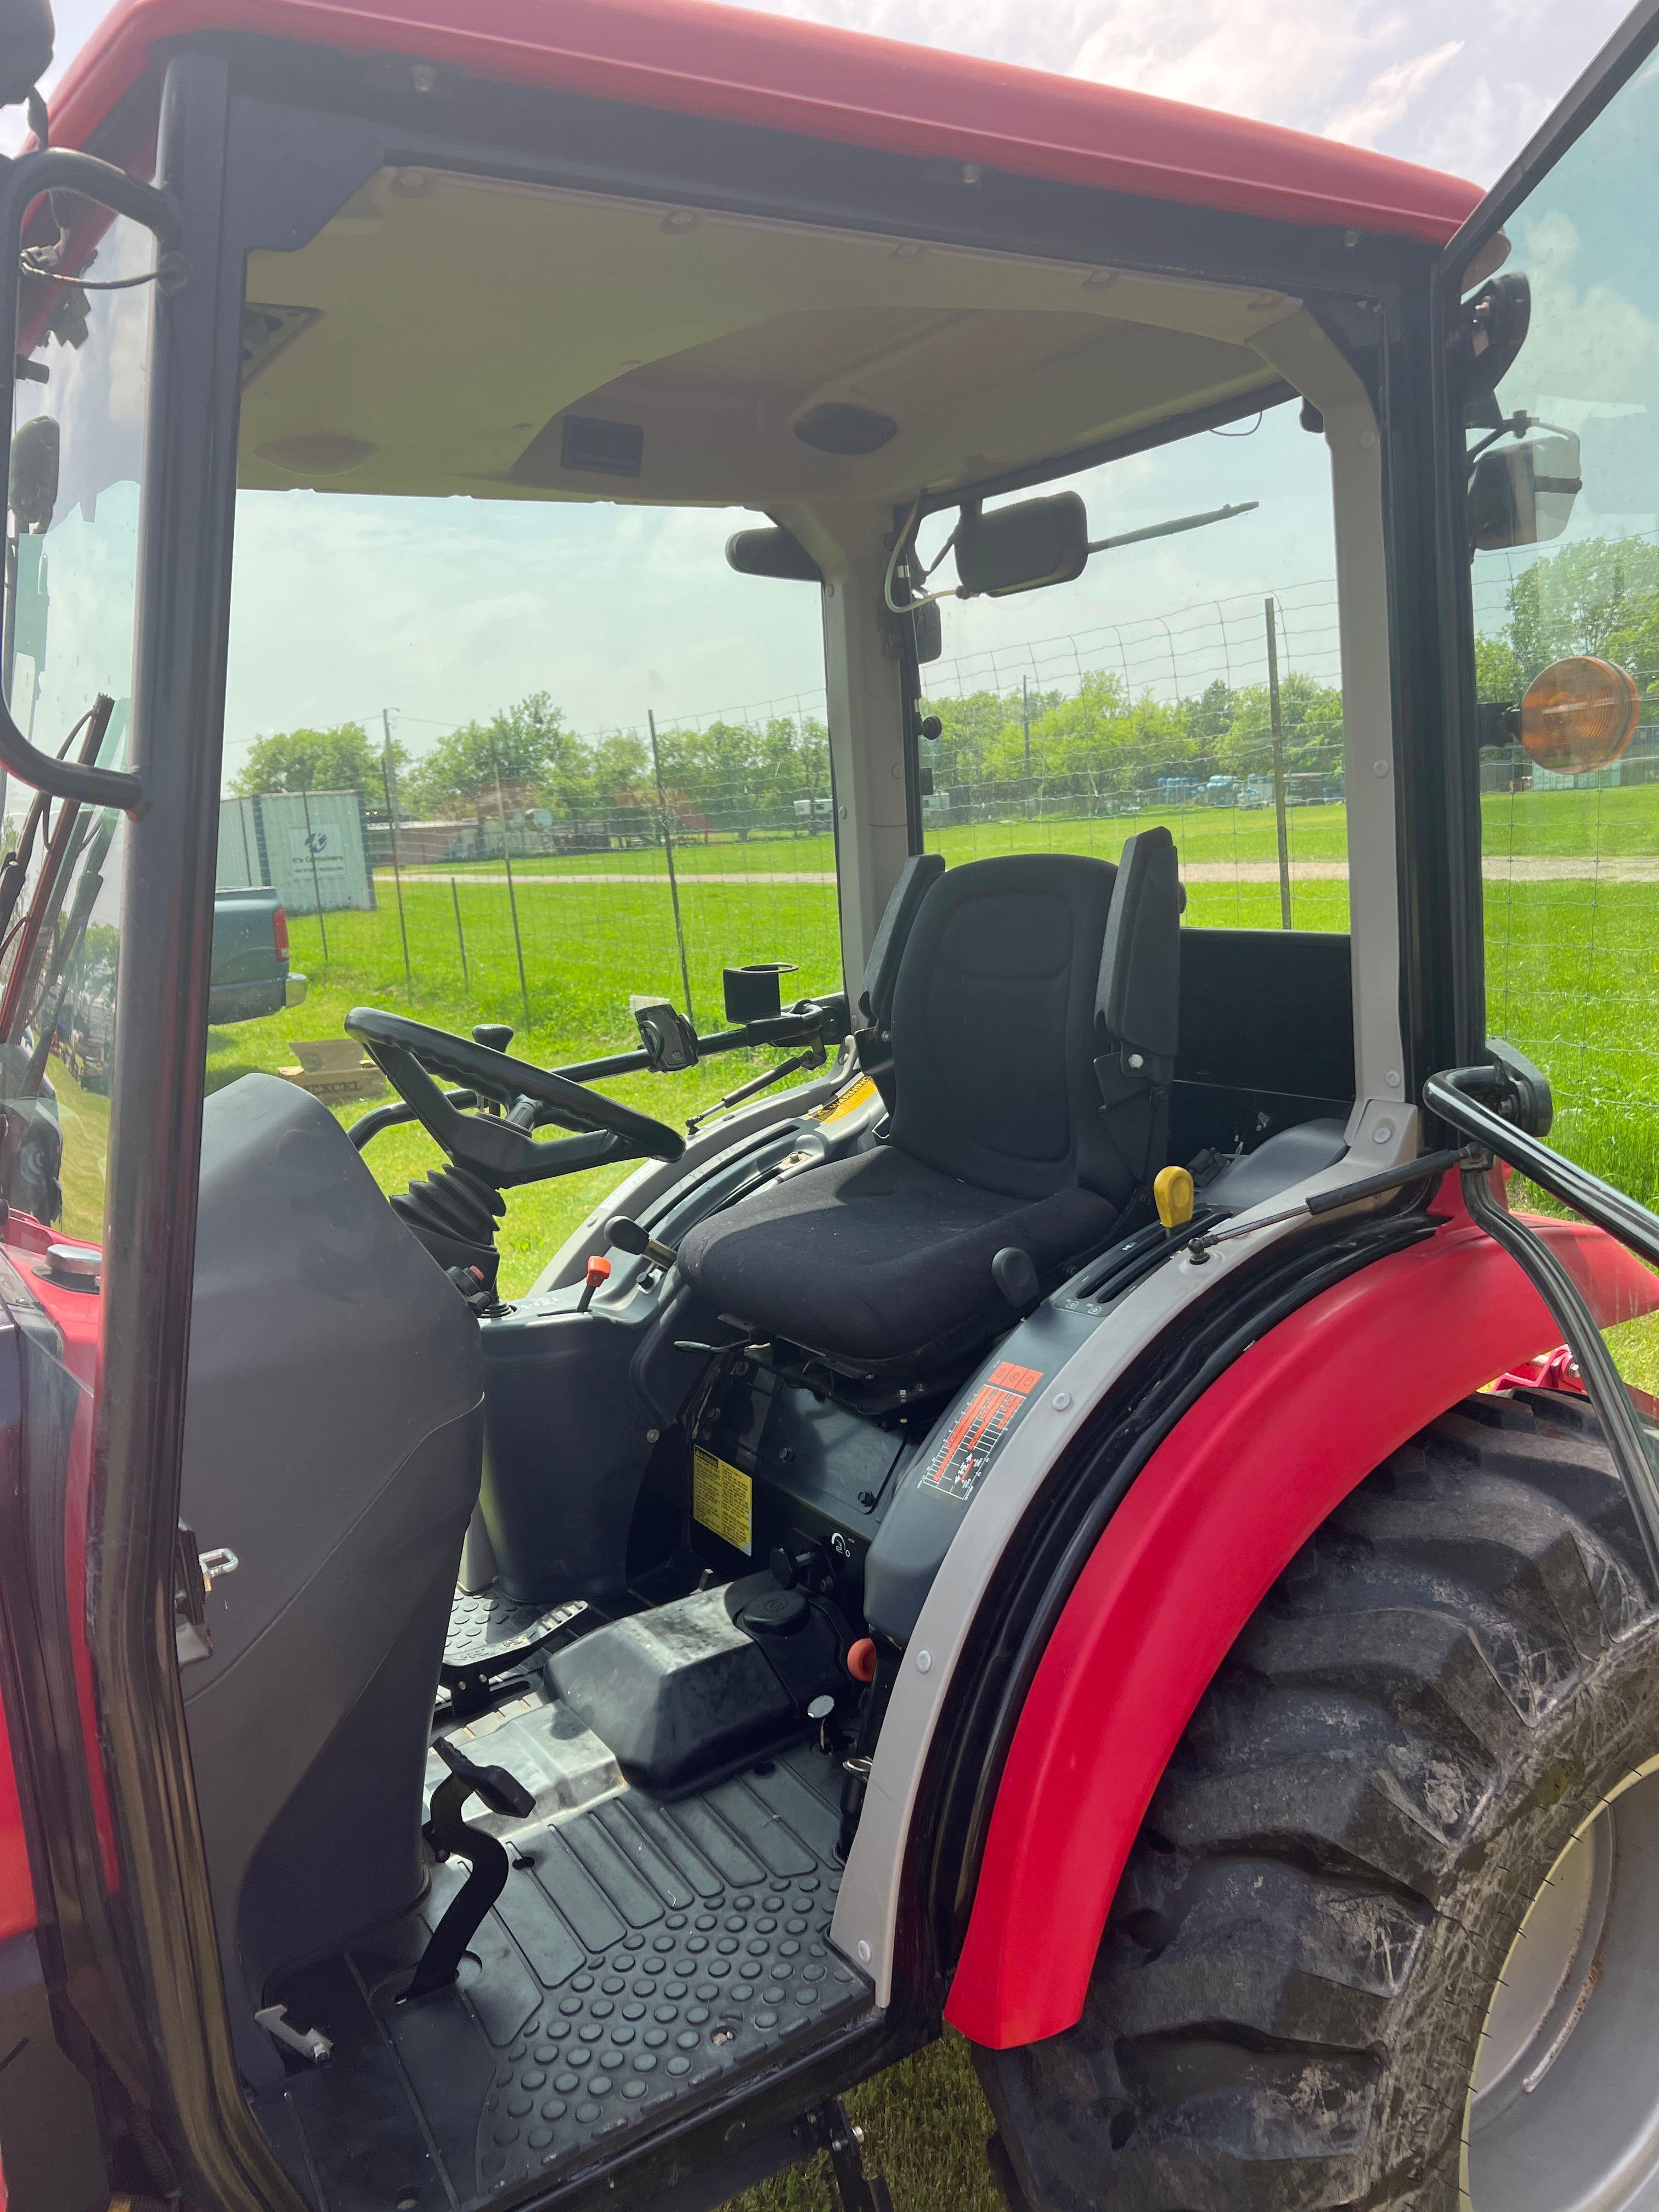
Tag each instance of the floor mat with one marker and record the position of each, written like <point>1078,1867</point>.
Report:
<point>641,1954</point>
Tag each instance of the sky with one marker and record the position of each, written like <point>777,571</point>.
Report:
<point>343,607</point>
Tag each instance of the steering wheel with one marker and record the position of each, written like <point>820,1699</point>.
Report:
<point>500,1147</point>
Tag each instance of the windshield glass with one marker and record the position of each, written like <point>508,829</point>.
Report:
<point>532,758</point>
<point>1191,678</point>
<point>68,647</point>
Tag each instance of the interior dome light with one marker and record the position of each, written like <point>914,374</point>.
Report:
<point>1579,714</point>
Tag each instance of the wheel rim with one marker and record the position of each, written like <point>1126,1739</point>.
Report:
<point>1563,2110</point>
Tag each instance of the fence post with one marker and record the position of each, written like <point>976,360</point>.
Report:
<point>507,862</point>
<point>390,781</point>
<point>459,939</point>
<point>668,854</point>
<point>316,887</point>
<point>1278,770</point>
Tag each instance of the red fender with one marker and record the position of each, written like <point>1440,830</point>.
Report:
<point>1237,1486</point>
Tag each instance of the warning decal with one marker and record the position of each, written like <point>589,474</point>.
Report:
<point>955,1466</point>
<point>721,1497</point>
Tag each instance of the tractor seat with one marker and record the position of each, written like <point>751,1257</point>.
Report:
<point>1030,1003</point>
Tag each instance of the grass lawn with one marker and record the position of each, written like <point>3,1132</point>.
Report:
<point>1573,980</point>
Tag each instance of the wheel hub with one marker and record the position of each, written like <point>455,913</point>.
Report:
<point>1563,2112</point>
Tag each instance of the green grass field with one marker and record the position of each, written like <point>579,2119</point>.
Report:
<point>1573,979</point>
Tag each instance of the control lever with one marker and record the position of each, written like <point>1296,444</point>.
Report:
<point>450,1838</point>
<point>626,1233</point>
<point>1015,1275</point>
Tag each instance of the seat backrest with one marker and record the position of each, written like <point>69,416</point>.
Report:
<point>332,1436</point>
<point>994,1037</point>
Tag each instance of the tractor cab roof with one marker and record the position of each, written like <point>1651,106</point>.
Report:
<point>721,359</point>
<point>734,65</point>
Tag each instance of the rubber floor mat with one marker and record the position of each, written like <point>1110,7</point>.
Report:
<point>641,1954</point>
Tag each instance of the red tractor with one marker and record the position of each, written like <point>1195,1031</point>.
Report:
<point>1120,1512</point>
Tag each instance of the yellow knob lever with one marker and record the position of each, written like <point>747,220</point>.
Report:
<point>1172,1194</point>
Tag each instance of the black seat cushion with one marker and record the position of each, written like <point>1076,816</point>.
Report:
<point>879,1257</point>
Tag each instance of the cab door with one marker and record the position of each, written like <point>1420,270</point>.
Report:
<point>1545,326</point>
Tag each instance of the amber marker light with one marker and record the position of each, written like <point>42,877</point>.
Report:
<point>1579,714</point>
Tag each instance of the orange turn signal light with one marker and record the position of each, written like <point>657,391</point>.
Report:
<point>1579,714</point>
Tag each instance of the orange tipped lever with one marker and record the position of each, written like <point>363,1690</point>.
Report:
<point>599,1270</point>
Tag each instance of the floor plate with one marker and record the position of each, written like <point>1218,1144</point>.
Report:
<point>642,1953</point>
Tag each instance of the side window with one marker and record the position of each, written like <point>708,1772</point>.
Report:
<point>1565,587</point>
<point>1192,679</point>
<point>77,445</point>
<point>1564,503</point>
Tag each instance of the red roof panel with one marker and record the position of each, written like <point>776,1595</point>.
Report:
<point>740,66</point>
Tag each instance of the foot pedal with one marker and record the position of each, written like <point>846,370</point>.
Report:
<point>490,1634</point>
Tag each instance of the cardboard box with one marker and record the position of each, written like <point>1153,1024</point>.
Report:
<point>334,1070</point>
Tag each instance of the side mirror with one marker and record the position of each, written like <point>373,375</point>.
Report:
<point>35,455</point>
<point>26,36</point>
<point>1523,493</point>
<point>774,551</point>
<point>1021,548</point>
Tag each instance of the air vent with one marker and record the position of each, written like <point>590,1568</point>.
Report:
<point>840,427</point>
<point>606,449</point>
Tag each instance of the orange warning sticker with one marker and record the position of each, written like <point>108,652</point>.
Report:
<point>958,1462</point>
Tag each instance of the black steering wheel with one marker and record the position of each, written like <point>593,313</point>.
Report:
<point>500,1147</point>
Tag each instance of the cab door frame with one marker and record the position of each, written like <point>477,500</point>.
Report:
<point>1489,1096</point>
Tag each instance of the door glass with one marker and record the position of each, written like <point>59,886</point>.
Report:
<point>1563,520</point>
<point>72,559</point>
<point>1565,587</point>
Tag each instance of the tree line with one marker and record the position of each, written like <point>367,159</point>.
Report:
<point>738,778</point>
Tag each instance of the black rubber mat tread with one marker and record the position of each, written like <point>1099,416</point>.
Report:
<point>641,1954</point>
<point>488,1630</point>
<point>1288,1998</point>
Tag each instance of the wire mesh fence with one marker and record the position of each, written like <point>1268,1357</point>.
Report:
<point>550,901</point>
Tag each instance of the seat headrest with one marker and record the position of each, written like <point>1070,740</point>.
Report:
<point>1138,1001</point>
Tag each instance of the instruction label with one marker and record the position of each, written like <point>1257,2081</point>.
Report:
<point>722,1499</point>
<point>848,1103</point>
<point>956,1465</point>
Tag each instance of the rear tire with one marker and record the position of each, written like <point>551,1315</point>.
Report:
<point>1444,1690</point>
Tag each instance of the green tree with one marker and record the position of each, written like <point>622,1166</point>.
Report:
<point>527,743</point>
<point>340,759</point>
<point>1580,599</point>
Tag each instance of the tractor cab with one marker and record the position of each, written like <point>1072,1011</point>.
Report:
<point>903,1348</point>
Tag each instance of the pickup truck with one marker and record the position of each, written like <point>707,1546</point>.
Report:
<point>250,972</point>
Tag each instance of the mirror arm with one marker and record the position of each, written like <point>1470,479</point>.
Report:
<point>31,175</point>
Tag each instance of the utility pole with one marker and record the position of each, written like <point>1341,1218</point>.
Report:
<point>1278,768</point>
<point>389,777</point>
<point>668,854</point>
<point>507,862</point>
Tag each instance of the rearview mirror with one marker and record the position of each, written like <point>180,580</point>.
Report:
<point>1023,547</point>
<point>1523,495</point>
<point>774,551</point>
<point>27,35</point>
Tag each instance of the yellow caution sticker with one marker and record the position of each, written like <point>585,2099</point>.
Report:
<point>849,1101</point>
<point>722,1499</point>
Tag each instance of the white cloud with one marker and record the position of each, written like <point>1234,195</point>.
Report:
<point>1389,96</point>
<point>1283,64</point>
